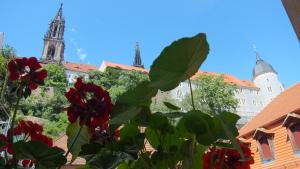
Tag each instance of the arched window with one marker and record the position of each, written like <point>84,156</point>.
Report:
<point>54,31</point>
<point>51,52</point>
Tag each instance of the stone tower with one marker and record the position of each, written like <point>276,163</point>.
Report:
<point>54,44</point>
<point>137,59</point>
<point>266,78</point>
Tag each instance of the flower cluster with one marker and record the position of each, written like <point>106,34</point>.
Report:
<point>27,130</point>
<point>228,158</point>
<point>28,71</point>
<point>90,103</point>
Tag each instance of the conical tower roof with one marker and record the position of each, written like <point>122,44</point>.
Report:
<point>262,67</point>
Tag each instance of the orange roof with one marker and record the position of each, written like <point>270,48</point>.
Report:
<point>125,67</point>
<point>61,142</point>
<point>227,78</point>
<point>78,67</point>
<point>286,102</point>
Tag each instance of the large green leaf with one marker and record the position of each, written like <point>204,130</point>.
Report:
<point>140,95</point>
<point>107,159</point>
<point>45,156</point>
<point>178,62</point>
<point>84,137</point>
<point>132,102</point>
<point>128,113</point>
<point>171,106</point>
<point>228,122</point>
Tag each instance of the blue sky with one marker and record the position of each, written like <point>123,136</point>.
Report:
<point>99,30</point>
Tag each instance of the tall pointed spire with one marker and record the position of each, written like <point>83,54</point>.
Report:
<point>59,15</point>
<point>54,44</point>
<point>137,59</point>
<point>258,58</point>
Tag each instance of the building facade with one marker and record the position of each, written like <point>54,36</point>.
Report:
<point>274,134</point>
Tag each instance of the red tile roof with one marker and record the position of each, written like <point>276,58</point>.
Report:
<point>78,67</point>
<point>227,78</point>
<point>286,102</point>
<point>125,67</point>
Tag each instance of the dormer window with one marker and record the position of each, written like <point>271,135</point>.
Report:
<point>292,124</point>
<point>265,144</point>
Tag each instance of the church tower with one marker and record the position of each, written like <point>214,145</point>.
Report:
<point>137,59</point>
<point>54,44</point>
<point>266,78</point>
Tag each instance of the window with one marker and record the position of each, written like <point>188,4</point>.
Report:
<point>265,145</point>
<point>270,89</point>
<point>295,136</point>
<point>292,123</point>
<point>265,148</point>
<point>254,102</point>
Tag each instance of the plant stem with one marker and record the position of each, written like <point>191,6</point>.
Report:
<point>74,141</point>
<point>192,96</point>
<point>12,129</point>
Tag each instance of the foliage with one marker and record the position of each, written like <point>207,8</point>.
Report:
<point>113,136</point>
<point>211,94</point>
<point>56,78</point>
<point>43,105</point>
<point>159,103</point>
<point>56,128</point>
<point>117,81</point>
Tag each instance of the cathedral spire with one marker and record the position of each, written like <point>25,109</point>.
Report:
<point>59,15</point>
<point>54,44</point>
<point>137,59</point>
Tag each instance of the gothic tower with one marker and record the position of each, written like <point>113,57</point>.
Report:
<point>137,59</point>
<point>266,78</point>
<point>54,44</point>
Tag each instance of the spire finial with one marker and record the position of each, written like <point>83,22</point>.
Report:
<point>256,53</point>
<point>137,59</point>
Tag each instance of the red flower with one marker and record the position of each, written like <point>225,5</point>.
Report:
<point>42,138</point>
<point>28,127</point>
<point>28,70</point>
<point>228,158</point>
<point>90,103</point>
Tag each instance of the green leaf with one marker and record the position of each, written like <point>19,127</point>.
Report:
<point>46,157</point>
<point>129,113</point>
<point>171,106</point>
<point>131,103</point>
<point>197,122</point>
<point>152,137</point>
<point>129,131</point>
<point>178,62</point>
<point>228,122</point>
<point>88,149</point>
<point>174,114</point>
<point>139,96</point>
<point>84,137</point>
<point>107,159</point>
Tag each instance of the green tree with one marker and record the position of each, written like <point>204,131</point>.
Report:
<point>56,77</point>
<point>117,81</point>
<point>159,103</point>
<point>211,94</point>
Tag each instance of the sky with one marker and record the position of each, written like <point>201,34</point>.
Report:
<point>98,30</point>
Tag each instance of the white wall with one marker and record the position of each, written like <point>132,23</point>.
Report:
<point>270,86</point>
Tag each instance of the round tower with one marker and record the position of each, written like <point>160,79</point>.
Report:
<point>266,79</point>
